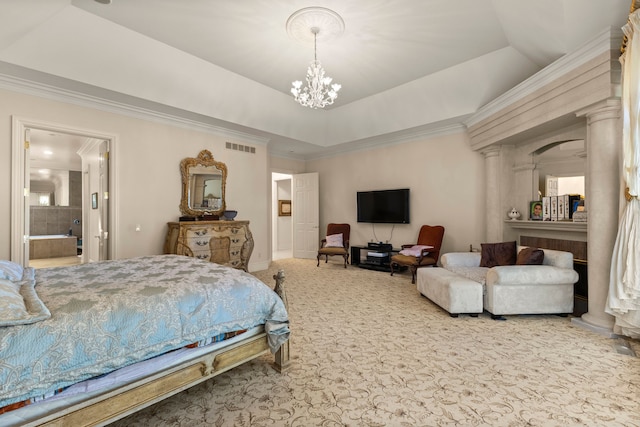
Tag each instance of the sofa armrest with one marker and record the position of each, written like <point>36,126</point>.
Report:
<point>460,259</point>
<point>530,274</point>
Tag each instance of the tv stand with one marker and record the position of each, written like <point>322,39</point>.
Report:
<point>380,261</point>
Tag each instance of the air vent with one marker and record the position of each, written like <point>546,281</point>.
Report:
<point>241,147</point>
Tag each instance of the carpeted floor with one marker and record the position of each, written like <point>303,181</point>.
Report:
<point>369,350</point>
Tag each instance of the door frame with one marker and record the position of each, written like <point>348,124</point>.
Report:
<point>19,188</point>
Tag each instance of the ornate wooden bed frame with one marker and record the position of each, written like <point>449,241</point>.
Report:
<point>133,397</point>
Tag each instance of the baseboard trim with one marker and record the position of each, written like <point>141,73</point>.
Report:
<point>593,328</point>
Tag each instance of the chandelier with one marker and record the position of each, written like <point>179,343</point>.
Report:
<point>319,92</point>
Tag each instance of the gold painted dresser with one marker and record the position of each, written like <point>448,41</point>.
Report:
<point>224,242</point>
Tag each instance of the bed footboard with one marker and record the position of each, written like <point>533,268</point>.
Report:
<point>145,392</point>
<point>283,358</point>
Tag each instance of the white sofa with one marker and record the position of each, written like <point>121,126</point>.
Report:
<point>460,284</point>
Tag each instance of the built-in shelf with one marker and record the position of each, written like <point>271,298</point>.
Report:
<point>548,225</point>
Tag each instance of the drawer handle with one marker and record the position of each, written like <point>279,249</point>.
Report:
<point>202,256</point>
<point>200,232</point>
<point>202,242</point>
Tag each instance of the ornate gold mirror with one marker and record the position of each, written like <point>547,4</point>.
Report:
<point>203,185</point>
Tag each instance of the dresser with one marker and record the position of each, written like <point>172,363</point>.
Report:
<point>224,242</point>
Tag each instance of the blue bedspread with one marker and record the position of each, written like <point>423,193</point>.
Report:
<point>110,314</point>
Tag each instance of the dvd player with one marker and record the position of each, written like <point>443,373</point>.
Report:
<point>382,247</point>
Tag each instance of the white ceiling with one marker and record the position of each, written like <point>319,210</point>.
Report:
<point>404,65</point>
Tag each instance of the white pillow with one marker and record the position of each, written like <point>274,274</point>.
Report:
<point>334,241</point>
<point>10,270</point>
<point>415,250</point>
<point>20,304</point>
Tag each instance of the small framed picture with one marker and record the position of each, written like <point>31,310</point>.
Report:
<point>535,210</point>
<point>284,207</point>
<point>94,201</point>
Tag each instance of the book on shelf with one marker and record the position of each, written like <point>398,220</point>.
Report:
<point>561,208</point>
<point>546,208</point>
<point>553,207</point>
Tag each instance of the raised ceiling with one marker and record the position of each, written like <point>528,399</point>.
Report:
<point>404,65</point>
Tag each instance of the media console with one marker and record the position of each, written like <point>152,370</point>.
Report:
<point>374,256</point>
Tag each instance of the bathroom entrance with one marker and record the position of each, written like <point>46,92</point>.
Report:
<point>65,207</point>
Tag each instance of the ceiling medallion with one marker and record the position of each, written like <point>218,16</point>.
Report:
<point>300,23</point>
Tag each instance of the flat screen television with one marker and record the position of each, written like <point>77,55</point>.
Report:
<point>383,206</point>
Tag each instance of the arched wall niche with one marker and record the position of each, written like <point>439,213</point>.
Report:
<point>527,162</point>
<point>564,160</point>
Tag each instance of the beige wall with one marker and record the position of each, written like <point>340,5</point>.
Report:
<point>444,174</point>
<point>148,183</point>
<point>446,180</point>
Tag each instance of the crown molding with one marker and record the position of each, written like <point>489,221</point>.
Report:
<point>388,140</point>
<point>606,41</point>
<point>179,118</point>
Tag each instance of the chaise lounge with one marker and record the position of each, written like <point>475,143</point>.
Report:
<point>462,286</point>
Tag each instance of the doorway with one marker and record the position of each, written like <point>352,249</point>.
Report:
<point>282,228</point>
<point>295,229</point>
<point>56,170</point>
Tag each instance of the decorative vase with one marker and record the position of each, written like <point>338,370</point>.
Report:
<point>513,214</point>
<point>229,215</point>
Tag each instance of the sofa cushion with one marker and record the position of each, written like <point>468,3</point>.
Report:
<point>530,256</point>
<point>477,274</point>
<point>493,254</point>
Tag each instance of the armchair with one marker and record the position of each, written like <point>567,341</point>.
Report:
<point>335,243</point>
<point>431,238</point>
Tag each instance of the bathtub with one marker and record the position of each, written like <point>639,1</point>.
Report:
<point>52,246</point>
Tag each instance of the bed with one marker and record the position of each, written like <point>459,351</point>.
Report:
<point>96,342</point>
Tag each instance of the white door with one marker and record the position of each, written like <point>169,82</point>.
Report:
<point>26,200</point>
<point>95,157</point>
<point>103,207</point>
<point>305,206</point>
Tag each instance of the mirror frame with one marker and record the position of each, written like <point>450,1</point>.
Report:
<point>205,158</point>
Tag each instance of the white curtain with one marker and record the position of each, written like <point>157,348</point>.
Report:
<point>623,301</point>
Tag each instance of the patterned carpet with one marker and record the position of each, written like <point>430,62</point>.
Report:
<point>369,350</point>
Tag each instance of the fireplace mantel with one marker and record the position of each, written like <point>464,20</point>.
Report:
<point>566,230</point>
<point>578,227</point>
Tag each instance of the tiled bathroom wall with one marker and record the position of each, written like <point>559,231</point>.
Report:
<point>48,220</point>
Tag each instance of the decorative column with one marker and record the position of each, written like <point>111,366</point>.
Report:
<point>493,208</point>
<point>604,145</point>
